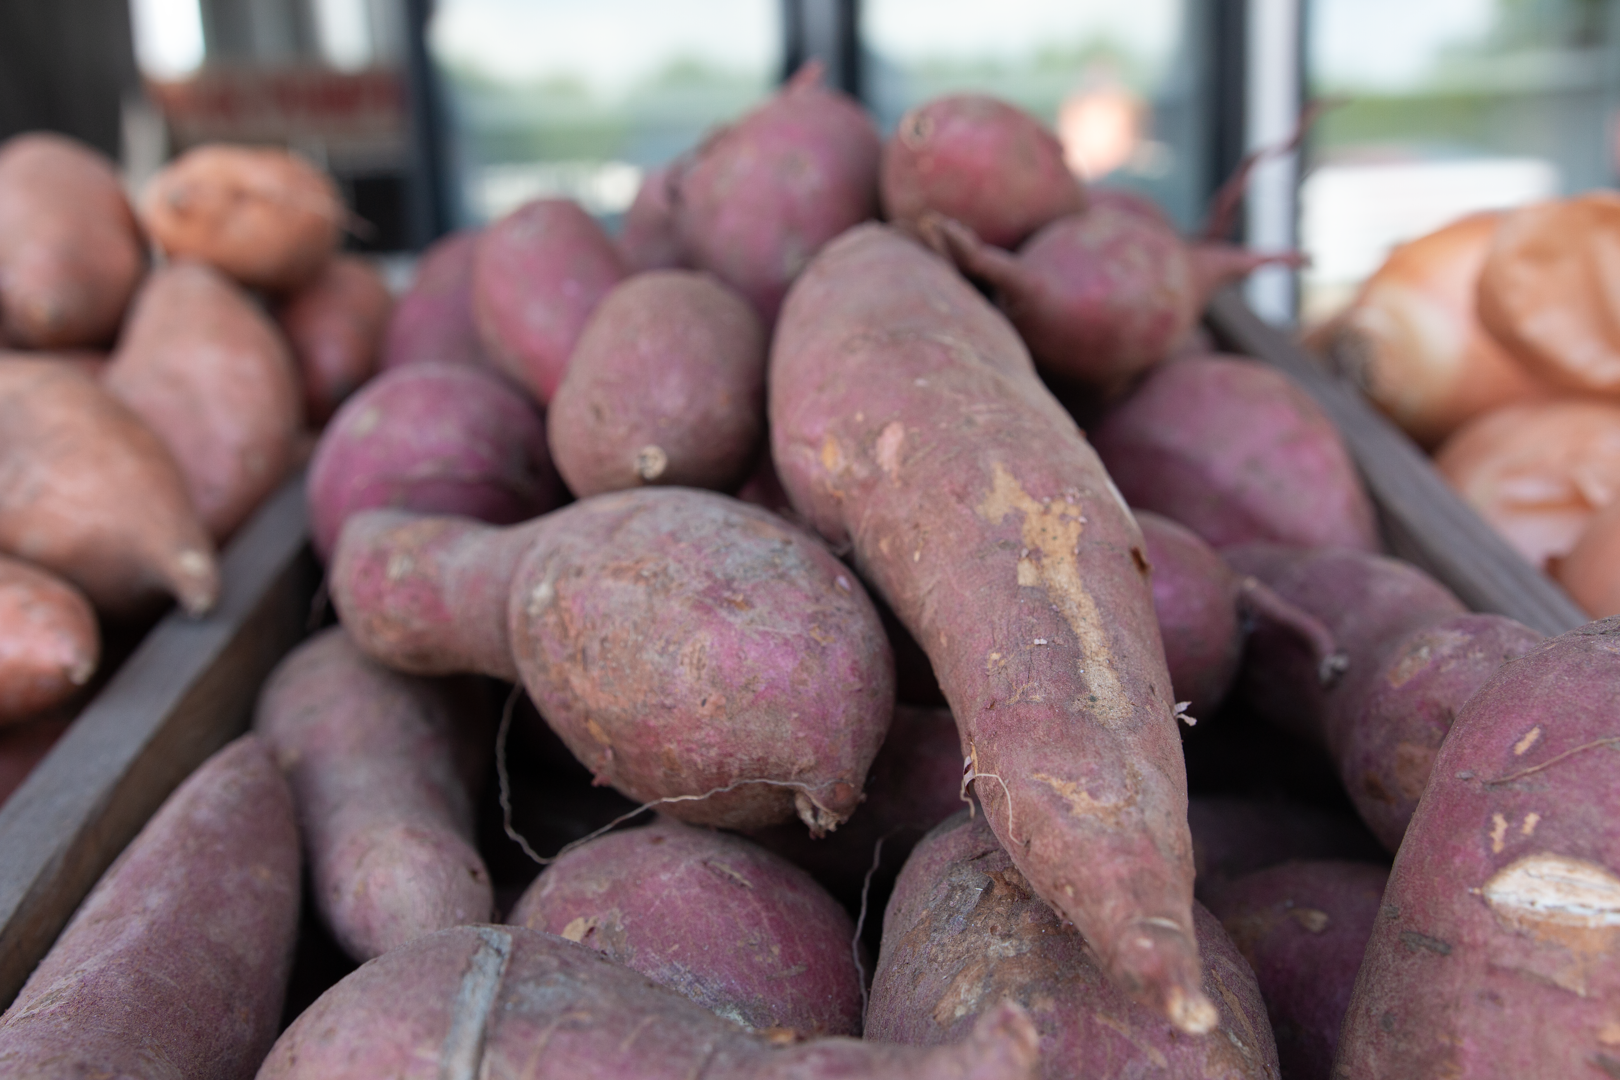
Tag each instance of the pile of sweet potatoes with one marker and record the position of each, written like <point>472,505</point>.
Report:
<point>748,667</point>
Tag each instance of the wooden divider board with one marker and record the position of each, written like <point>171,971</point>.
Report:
<point>184,692</point>
<point>1424,520</point>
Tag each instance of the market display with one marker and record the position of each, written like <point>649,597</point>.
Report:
<point>747,667</point>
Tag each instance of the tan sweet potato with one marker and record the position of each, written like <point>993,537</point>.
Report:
<point>70,255</point>
<point>509,1003</point>
<point>207,371</point>
<point>176,963</point>
<point>265,216</point>
<point>90,493</point>
<point>49,640</point>
<point>383,808</point>
<point>907,421</point>
<point>335,326</point>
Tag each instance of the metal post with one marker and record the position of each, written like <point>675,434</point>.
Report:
<point>1275,100</point>
<point>827,30</point>
<point>431,210</point>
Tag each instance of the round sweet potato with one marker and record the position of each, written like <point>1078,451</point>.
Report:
<point>335,326</point>
<point>433,321</point>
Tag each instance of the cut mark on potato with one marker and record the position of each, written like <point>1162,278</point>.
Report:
<point>462,1053</point>
<point>1555,890</point>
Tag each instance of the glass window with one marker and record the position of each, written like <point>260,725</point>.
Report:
<point>559,97</point>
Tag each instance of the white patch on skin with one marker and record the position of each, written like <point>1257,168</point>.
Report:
<point>1546,888</point>
<point>888,448</point>
<point>1531,820</point>
<point>1528,741</point>
<point>1498,831</point>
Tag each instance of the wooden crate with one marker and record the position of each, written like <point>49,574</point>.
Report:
<point>186,690</point>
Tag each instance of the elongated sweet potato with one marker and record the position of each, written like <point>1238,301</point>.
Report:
<point>1497,952</point>
<point>70,255</point>
<point>685,646</point>
<point>262,215</point>
<point>963,930</point>
<point>714,917</point>
<point>504,1002</point>
<point>538,273</point>
<point>648,240</point>
<point>907,422</point>
<point>434,438</point>
<point>1590,573</point>
<point>385,815</point>
<point>1237,836</point>
<point>90,493</point>
<point>209,372</point>
<point>981,161</point>
<point>433,321</point>
<point>1414,657</point>
<point>757,199</point>
<point>666,386</point>
<point>1237,453</point>
<point>335,326</point>
<point>176,963</point>
<point>1303,927</point>
<point>49,640</point>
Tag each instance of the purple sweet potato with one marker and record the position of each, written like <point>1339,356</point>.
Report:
<point>1237,836</point>
<point>506,1002</point>
<point>908,423</point>
<point>757,199</point>
<point>684,645</point>
<point>1100,296</point>
<point>648,240</point>
<point>434,438</point>
<point>384,811</point>
<point>1236,452</point>
<point>335,326</point>
<point>90,493</point>
<point>50,642</point>
<point>720,920</point>
<point>963,931</point>
<point>1414,656</point>
<point>1206,610</point>
<point>176,963</point>
<point>1303,927</point>
<point>433,321</point>
<point>70,254</point>
<point>213,377</point>
<point>981,161</point>
<point>538,273</point>
<point>1497,953</point>
<point>666,386</point>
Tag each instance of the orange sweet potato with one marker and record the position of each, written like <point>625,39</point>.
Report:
<point>90,493</point>
<point>207,371</point>
<point>70,255</point>
<point>49,640</point>
<point>335,325</point>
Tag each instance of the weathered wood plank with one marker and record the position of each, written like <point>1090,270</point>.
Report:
<point>183,693</point>
<point>1425,521</point>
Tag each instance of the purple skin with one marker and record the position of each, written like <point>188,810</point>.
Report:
<point>1497,953</point>
<point>1206,609</point>
<point>756,200</point>
<point>648,240</point>
<point>383,808</point>
<point>176,963</point>
<point>1237,453</point>
<point>433,438</point>
<point>1413,657</point>
<point>538,273</point>
<point>983,162</point>
<point>1303,927</point>
<point>433,321</point>
<point>964,931</point>
<point>1234,836</point>
<point>738,930</point>
<point>504,1002</point>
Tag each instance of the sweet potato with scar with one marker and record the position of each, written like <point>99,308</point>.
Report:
<point>335,326</point>
<point>907,423</point>
<point>686,647</point>
<point>1237,453</point>
<point>386,817</point>
<point>70,255</point>
<point>1497,949</point>
<point>433,321</point>
<point>49,640</point>
<point>506,1002</point>
<point>1413,658</point>
<point>207,371</point>
<point>963,931</point>
<point>711,916</point>
<point>666,386</point>
<point>88,492</point>
<point>176,963</point>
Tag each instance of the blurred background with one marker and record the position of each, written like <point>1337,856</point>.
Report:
<point>439,114</point>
